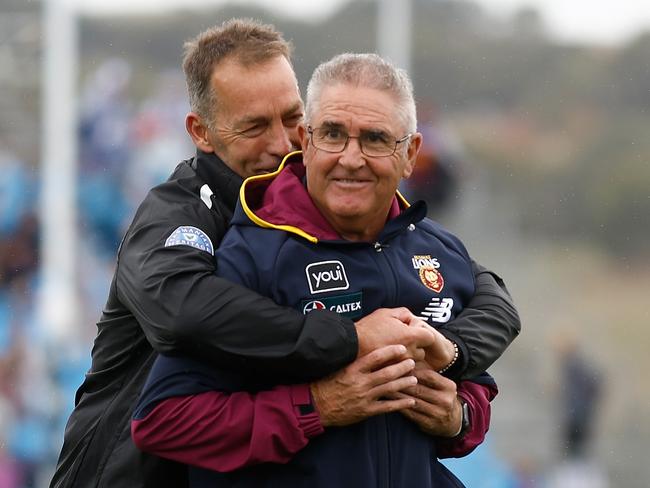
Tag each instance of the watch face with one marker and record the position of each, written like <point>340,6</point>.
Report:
<point>466,419</point>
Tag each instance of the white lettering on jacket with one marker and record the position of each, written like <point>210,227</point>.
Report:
<point>326,276</point>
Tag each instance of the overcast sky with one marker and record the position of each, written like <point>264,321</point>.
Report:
<point>602,21</point>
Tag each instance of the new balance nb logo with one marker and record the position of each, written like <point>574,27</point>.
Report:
<point>438,310</point>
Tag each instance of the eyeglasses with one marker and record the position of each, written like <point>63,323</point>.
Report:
<point>373,143</point>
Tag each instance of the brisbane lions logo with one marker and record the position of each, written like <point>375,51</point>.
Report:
<point>432,279</point>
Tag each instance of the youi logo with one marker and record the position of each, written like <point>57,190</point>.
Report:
<point>326,276</point>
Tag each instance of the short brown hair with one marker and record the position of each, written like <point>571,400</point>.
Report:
<point>246,40</point>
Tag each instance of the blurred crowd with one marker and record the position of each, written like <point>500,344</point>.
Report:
<point>124,149</point>
<point>19,413</point>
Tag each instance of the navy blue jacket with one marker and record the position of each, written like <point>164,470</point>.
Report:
<point>414,263</point>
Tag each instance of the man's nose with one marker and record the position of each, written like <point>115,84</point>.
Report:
<point>283,140</point>
<point>351,156</point>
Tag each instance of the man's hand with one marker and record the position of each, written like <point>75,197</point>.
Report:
<point>437,410</point>
<point>360,389</point>
<point>441,352</point>
<point>387,326</point>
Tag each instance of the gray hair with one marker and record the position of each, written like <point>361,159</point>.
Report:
<point>366,70</point>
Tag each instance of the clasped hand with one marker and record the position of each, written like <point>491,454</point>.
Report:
<point>384,377</point>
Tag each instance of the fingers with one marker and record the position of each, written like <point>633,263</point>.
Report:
<point>421,337</point>
<point>425,422</point>
<point>359,390</point>
<point>417,353</point>
<point>431,387</point>
<point>384,375</point>
<point>393,371</point>
<point>420,405</point>
<point>440,391</point>
<point>421,411</point>
<point>432,379</point>
<point>402,314</point>
<point>435,418</point>
<point>388,406</point>
<point>384,355</point>
<point>441,352</point>
<point>399,395</point>
<point>427,396</point>
<point>414,321</point>
<point>390,326</point>
<point>386,390</point>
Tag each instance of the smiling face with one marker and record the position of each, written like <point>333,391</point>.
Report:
<point>257,114</point>
<point>354,191</point>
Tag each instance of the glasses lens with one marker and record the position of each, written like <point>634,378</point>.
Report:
<point>330,139</point>
<point>375,143</point>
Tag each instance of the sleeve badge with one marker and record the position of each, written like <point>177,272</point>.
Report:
<point>187,235</point>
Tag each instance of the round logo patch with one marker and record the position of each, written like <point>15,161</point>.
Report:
<point>187,235</point>
<point>313,305</point>
<point>432,279</point>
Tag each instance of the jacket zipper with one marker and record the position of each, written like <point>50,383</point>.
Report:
<point>391,284</point>
<point>389,463</point>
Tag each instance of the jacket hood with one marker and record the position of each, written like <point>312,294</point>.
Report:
<point>280,200</point>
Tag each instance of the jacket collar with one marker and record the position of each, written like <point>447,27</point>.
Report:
<point>222,180</point>
<point>280,200</point>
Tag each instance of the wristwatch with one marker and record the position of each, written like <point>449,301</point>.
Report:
<point>465,422</point>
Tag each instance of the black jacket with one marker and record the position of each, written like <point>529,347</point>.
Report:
<point>166,298</point>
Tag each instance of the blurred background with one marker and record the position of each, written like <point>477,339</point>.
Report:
<point>536,123</point>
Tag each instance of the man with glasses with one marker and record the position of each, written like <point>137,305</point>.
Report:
<point>329,231</point>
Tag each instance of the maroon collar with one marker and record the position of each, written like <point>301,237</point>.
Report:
<point>284,200</point>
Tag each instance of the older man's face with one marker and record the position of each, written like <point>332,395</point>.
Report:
<point>352,190</point>
<point>257,114</point>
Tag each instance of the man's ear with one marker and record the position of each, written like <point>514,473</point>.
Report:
<point>303,135</point>
<point>198,131</point>
<point>304,140</point>
<point>414,145</point>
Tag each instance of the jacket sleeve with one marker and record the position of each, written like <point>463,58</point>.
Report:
<point>485,327</point>
<point>184,308</point>
<point>227,431</point>
<point>478,396</point>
